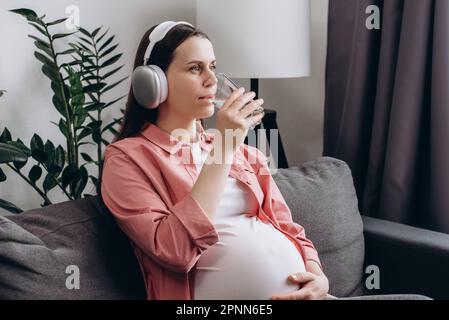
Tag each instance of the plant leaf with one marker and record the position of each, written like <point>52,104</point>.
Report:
<point>49,182</point>
<point>79,119</point>
<point>56,22</point>
<point>86,40</point>
<point>111,60</point>
<point>84,47</point>
<point>94,87</point>
<point>114,101</point>
<point>10,153</point>
<point>19,164</point>
<point>110,73</point>
<point>101,37</point>
<point>60,157</point>
<point>95,106</point>
<point>39,40</point>
<point>94,33</point>
<point>25,12</point>
<point>86,157</point>
<point>66,52</point>
<point>62,35</point>
<point>45,60</point>
<point>19,144</point>
<point>40,29</point>
<point>51,73</point>
<point>110,125</point>
<point>9,206</point>
<point>108,51</point>
<point>106,43</point>
<point>49,149</point>
<point>35,173</point>
<point>84,31</point>
<point>95,125</point>
<point>42,45</point>
<point>80,144</point>
<point>68,174</point>
<point>59,105</point>
<point>63,127</point>
<point>113,85</point>
<point>2,175</point>
<point>80,182</point>
<point>84,133</point>
<point>37,149</point>
<point>5,136</point>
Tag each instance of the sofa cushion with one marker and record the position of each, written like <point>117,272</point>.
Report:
<point>323,200</point>
<point>38,246</point>
<point>27,265</point>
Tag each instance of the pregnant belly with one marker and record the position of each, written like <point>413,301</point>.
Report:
<point>252,260</point>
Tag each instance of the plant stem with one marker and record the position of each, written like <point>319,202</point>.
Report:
<point>99,152</point>
<point>42,194</point>
<point>59,185</point>
<point>72,156</point>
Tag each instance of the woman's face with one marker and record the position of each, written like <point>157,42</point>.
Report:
<point>191,76</point>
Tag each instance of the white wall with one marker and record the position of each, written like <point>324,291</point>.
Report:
<point>27,107</point>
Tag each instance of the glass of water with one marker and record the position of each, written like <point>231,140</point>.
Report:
<point>225,87</point>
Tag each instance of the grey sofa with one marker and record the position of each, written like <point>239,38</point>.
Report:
<point>43,250</point>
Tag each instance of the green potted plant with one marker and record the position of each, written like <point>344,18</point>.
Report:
<point>79,85</point>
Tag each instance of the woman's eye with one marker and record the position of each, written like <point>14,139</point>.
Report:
<point>198,68</point>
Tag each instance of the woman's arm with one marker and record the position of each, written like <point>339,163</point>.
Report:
<point>211,181</point>
<point>275,205</point>
<point>174,237</point>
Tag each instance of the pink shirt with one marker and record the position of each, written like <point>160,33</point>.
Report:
<point>146,185</point>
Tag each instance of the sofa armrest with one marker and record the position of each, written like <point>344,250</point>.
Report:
<point>410,260</point>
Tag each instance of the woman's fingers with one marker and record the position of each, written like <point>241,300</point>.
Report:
<point>255,120</point>
<point>302,277</point>
<point>302,294</point>
<point>252,108</point>
<point>232,98</point>
<point>241,101</point>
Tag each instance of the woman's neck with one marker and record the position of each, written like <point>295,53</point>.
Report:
<point>188,132</point>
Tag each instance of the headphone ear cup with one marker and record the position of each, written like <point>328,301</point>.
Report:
<point>150,86</point>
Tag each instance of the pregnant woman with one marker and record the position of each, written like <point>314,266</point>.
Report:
<point>202,211</point>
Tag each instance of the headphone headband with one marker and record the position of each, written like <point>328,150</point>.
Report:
<point>158,34</point>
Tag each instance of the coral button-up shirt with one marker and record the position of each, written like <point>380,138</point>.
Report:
<point>146,185</point>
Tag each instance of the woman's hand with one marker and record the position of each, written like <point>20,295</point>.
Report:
<point>315,285</point>
<point>235,117</point>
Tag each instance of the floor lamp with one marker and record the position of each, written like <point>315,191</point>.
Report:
<point>259,39</point>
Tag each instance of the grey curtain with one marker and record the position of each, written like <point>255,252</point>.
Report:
<point>387,107</point>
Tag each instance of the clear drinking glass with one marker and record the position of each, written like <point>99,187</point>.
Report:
<point>225,87</point>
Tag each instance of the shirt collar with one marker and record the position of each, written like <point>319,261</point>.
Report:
<point>172,145</point>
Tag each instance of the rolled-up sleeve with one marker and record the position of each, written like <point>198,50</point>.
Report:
<point>172,236</point>
<point>275,202</point>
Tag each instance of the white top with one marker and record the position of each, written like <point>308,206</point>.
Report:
<point>252,259</point>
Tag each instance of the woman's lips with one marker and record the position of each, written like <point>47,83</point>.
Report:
<point>210,96</point>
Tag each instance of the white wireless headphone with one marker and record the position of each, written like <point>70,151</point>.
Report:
<point>149,83</point>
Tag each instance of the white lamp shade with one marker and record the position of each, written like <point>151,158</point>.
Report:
<point>258,38</point>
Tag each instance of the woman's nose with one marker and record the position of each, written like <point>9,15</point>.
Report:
<point>212,79</point>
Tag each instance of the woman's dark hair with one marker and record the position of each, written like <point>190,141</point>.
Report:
<point>136,118</point>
